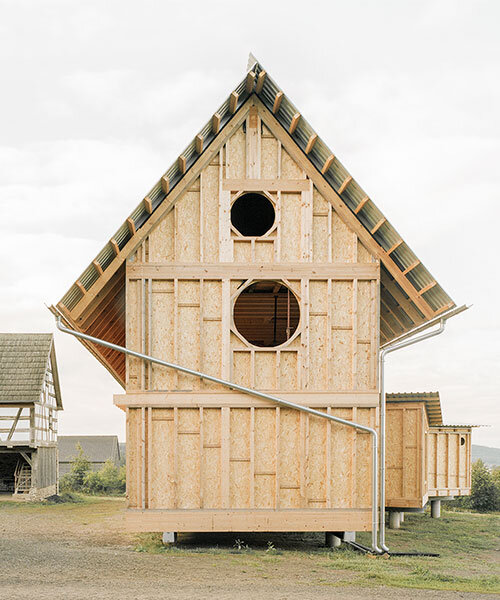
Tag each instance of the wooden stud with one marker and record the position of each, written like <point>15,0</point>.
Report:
<point>216,123</point>
<point>294,123</point>
<point>250,82</point>
<point>260,82</point>
<point>165,184</point>
<point>411,267</point>
<point>131,226</point>
<point>114,245</point>
<point>378,225</point>
<point>345,183</point>
<point>233,102</point>
<point>310,143</point>
<point>328,163</point>
<point>199,143</point>
<point>97,267</point>
<point>148,205</point>
<point>277,102</point>
<point>361,204</point>
<point>181,163</point>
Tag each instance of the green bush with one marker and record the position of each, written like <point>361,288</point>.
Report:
<point>109,480</point>
<point>485,495</point>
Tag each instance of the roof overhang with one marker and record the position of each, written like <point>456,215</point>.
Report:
<point>410,296</point>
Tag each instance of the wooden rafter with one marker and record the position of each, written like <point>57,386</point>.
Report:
<point>148,205</point>
<point>294,123</point>
<point>131,226</point>
<point>249,83</point>
<point>277,102</point>
<point>114,244</point>
<point>199,143</point>
<point>378,225</point>
<point>394,246</point>
<point>260,82</point>
<point>328,163</point>
<point>181,163</point>
<point>97,267</point>
<point>362,203</point>
<point>428,287</point>
<point>216,123</point>
<point>310,142</point>
<point>80,286</point>
<point>165,184</point>
<point>233,102</point>
<point>411,267</point>
<point>344,184</point>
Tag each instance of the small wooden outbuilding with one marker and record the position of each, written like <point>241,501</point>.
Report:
<point>256,258</point>
<point>30,398</point>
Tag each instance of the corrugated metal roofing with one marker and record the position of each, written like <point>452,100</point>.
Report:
<point>23,364</point>
<point>432,404</point>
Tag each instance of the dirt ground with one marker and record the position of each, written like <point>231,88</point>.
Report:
<point>75,551</point>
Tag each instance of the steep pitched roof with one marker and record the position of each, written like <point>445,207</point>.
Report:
<point>97,448</point>
<point>410,295</point>
<point>23,363</point>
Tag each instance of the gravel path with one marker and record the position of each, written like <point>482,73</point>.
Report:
<point>78,553</point>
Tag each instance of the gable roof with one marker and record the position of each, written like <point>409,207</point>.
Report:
<point>410,295</point>
<point>97,448</point>
<point>23,364</point>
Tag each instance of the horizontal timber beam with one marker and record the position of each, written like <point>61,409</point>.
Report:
<point>209,398</point>
<point>342,271</point>
<point>268,185</point>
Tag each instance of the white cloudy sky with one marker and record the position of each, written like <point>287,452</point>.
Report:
<point>99,97</point>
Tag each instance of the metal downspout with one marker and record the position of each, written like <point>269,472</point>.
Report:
<point>264,396</point>
<point>389,349</point>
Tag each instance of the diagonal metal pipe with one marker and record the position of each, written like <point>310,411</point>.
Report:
<point>256,393</point>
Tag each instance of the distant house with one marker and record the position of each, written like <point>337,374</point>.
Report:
<point>97,448</point>
<point>30,398</point>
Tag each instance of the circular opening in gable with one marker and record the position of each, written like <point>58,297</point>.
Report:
<point>252,214</point>
<point>266,313</point>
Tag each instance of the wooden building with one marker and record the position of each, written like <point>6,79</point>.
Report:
<point>30,398</point>
<point>256,258</point>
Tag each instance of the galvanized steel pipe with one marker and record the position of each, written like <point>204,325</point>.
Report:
<point>258,394</point>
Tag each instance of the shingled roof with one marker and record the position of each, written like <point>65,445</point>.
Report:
<point>23,363</point>
<point>97,448</point>
<point>410,295</point>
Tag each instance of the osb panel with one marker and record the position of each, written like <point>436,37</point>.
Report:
<point>265,370</point>
<point>210,221</point>
<point>162,240</point>
<point>291,228</point>
<point>161,460</point>
<point>364,416</point>
<point>162,328</point>
<point>236,155</point>
<point>343,459</point>
<point>344,241</point>
<point>289,464</point>
<point>265,455</point>
<point>240,476</point>
<point>134,457</point>
<point>133,335</point>
<point>187,243</point>
<point>269,155</point>
<point>188,335</point>
<point>188,458</point>
<point>289,168</point>
<point>211,458</point>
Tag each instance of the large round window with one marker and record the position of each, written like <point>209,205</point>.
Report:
<point>266,313</point>
<point>252,214</point>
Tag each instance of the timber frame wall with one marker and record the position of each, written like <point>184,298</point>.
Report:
<point>192,446</point>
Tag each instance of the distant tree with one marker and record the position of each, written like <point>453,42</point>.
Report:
<point>108,480</point>
<point>485,495</point>
<point>80,467</point>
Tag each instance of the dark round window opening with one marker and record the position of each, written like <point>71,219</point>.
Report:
<point>252,214</point>
<point>266,314</point>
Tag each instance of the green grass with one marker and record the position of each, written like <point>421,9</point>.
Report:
<point>468,544</point>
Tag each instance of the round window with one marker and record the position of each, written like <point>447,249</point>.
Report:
<point>252,214</point>
<point>266,313</point>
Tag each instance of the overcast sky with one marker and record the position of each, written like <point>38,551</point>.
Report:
<point>99,97</point>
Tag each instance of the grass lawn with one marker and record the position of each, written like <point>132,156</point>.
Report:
<point>468,544</point>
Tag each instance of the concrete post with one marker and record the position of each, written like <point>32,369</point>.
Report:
<point>169,537</point>
<point>435,509</point>
<point>401,517</point>
<point>394,520</point>
<point>332,540</point>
